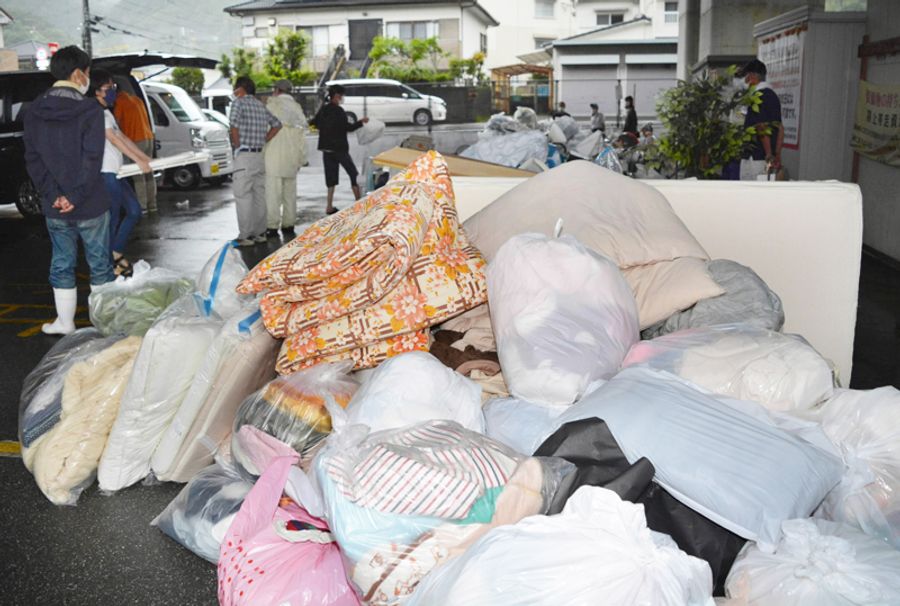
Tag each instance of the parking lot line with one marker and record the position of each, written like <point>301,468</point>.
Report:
<point>10,448</point>
<point>34,324</point>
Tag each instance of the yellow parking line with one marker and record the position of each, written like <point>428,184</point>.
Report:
<point>10,448</point>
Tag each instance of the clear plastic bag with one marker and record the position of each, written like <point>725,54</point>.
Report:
<point>413,388</point>
<point>865,426</point>
<point>172,352</point>
<point>293,410</point>
<point>40,400</point>
<point>370,131</point>
<point>129,306</point>
<point>526,117</point>
<point>817,563</point>
<point>519,424</point>
<point>64,459</point>
<point>240,361</point>
<point>597,551</point>
<point>199,517</point>
<point>509,149</point>
<point>781,372</point>
<point>563,317</point>
<point>218,280</point>
<point>608,158</point>
<point>402,502</point>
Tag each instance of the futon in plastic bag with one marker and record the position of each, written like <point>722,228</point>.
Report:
<point>817,563</point>
<point>608,158</point>
<point>240,361</point>
<point>501,123</point>
<point>40,402</point>
<point>412,388</point>
<point>173,350</point>
<point>865,426</point>
<point>293,409</point>
<point>597,551</point>
<point>370,131</point>
<point>526,117</point>
<point>723,458</point>
<point>563,317</point>
<point>781,372</point>
<point>519,424</point>
<point>568,125</point>
<point>218,280</point>
<point>129,306</point>
<point>201,514</point>
<point>402,502</point>
<point>509,149</point>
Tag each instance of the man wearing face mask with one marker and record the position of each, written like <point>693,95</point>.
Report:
<point>64,141</point>
<point>764,152</point>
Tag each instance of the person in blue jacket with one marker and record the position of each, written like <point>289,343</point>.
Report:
<point>331,120</point>
<point>64,140</point>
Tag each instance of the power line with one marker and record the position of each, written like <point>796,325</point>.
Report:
<point>126,29</point>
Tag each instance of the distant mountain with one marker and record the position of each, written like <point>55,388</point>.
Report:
<point>192,27</point>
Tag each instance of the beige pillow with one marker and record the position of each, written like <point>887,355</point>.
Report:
<point>664,288</point>
<point>624,219</point>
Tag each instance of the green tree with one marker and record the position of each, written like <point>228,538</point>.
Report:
<point>188,78</point>
<point>285,57</point>
<point>401,60</point>
<point>469,70</point>
<point>243,61</point>
<point>225,66</point>
<point>702,135</point>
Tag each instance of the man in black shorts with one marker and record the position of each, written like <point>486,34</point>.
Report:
<point>331,120</point>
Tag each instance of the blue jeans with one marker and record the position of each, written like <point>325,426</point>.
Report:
<point>122,197</point>
<point>94,234</point>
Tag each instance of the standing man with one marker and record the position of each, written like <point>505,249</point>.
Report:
<point>561,111</point>
<point>331,120</point>
<point>764,152</point>
<point>64,141</point>
<point>284,155</point>
<point>131,115</point>
<point>598,121</point>
<point>630,116</point>
<point>252,126</point>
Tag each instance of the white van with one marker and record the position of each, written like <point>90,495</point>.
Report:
<point>390,101</point>
<point>181,126</point>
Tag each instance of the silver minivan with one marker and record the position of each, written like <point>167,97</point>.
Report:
<point>390,101</point>
<point>180,125</point>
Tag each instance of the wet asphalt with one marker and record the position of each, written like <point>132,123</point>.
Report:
<point>104,551</point>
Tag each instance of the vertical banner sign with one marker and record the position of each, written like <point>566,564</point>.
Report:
<point>876,131</point>
<point>783,55</point>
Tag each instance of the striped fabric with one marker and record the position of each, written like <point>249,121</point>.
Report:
<point>436,469</point>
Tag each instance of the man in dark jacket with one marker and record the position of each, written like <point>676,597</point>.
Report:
<point>630,117</point>
<point>331,120</point>
<point>64,140</point>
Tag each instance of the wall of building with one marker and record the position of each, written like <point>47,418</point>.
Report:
<point>879,182</point>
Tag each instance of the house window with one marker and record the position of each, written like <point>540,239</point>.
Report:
<point>319,42</point>
<point>482,43</point>
<point>261,32</point>
<point>671,12</point>
<point>543,9</point>
<point>610,18</point>
<point>411,30</point>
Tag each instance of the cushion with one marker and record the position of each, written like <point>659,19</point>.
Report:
<point>667,287</point>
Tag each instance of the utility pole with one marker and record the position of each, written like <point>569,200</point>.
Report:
<point>86,27</point>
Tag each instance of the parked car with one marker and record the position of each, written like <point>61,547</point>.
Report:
<point>216,116</point>
<point>390,101</point>
<point>180,125</point>
<point>19,88</point>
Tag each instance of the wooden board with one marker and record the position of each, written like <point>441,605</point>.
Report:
<point>399,157</point>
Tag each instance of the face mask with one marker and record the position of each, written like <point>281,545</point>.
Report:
<point>110,97</point>
<point>83,88</point>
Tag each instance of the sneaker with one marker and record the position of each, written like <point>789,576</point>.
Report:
<point>288,232</point>
<point>244,242</point>
<point>271,233</point>
<point>260,238</point>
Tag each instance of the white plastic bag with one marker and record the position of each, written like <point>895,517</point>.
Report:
<point>519,424</point>
<point>781,372</point>
<point>370,131</point>
<point>597,551</point>
<point>172,352</point>
<point>556,134</point>
<point>563,317</point>
<point>817,563</point>
<point>865,426</point>
<point>413,388</point>
<point>218,280</point>
<point>240,360</point>
<point>201,514</point>
<point>509,149</point>
<point>739,469</point>
<point>568,125</point>
<point>526,117</point>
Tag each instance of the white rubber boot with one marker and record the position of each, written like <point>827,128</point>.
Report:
<point>66,299</point>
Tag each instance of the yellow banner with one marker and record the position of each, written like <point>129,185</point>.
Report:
<point>876,133</point>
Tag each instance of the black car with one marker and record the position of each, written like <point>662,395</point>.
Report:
<point>18,89</point>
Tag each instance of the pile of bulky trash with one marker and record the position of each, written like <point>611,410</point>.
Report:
<point>562,400</point>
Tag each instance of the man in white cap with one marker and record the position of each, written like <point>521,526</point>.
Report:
<point>285,153</point>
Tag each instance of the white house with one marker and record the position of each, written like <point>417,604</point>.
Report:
<point>461,26</point>
<point>526,25</point>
